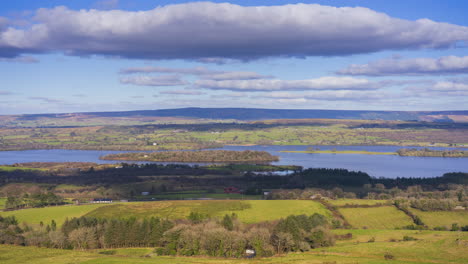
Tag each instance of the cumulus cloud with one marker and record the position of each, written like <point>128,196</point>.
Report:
<point>415,66</point>
<point>223,30</point>
<point>234,76</point>
<point>231,95</point>
<point>341,95</point>
<point>322,83</point>
<point>440,89</point>
<point>201,72</point>
<point>450,86</point>
<point>182,92</point>
<point>151,69</point>
<point>163,80</point>
<point>216,60</point>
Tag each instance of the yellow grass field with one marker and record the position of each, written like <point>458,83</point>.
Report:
<point>384,217</point>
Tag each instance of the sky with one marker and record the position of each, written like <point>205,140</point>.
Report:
<point>117,55</point>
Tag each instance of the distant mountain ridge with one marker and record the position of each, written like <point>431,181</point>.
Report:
<point>251,114</point>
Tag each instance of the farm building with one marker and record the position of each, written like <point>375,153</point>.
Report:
<point>101,200</point>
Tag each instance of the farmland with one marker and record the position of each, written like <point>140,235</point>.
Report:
<point>442,218</point>
<point>384,217</point>
<point>58,213</point>
<point>248,211</point>
<point>199,136</point>
<point>2,203</point>
<point>430,247</point>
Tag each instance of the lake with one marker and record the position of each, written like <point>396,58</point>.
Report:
<point>388,166</point>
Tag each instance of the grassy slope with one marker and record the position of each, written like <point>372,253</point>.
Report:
<point>47,214</point>
<point>385,217</point>
<point>431,247</point>
<point>248,211</point>
<point>442,218</point>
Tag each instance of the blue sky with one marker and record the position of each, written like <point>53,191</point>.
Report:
<point>80,55</point>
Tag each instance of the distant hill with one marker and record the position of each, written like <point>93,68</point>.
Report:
<point>262,114</point>
<point>241,114</point>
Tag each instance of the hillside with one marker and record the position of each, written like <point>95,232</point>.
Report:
<point>207,115</point>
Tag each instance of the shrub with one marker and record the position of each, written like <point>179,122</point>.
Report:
<point>389,256</point>
<point>409,238</point>
<point>108,252</point>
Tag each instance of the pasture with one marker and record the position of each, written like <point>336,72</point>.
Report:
<point>442,218</point>
<point>47,214</point>
<point>384,217</point>
<point>2,203</point>
<point>251,211</point>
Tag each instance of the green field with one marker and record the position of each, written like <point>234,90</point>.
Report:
<point>442,218</point>
<point>47,214</point>
<point>12,168</point>
<point>248,211</point>
<point>2,203</point>
<point>431,247</point>
<point>343,202</point>
<point>384,217</point>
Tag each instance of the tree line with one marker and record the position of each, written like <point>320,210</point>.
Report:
<point>197,235</point>
<point>33,200</point>
<point>425,152</point>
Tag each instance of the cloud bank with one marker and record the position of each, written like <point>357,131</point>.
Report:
<point>416,66</point>
<point>322,83</point>
<point>204,30</point>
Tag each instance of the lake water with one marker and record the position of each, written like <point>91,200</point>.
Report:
<point>388,166</point>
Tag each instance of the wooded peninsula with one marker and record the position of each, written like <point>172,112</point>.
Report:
<point>413,152</point>
<point>195,156</point>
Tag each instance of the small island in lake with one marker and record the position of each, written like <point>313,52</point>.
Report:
<point>195,156</point>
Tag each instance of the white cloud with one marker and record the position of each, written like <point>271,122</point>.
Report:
<point>182,92</point>
<point>341,95</point>
<point>152,69</point>
<point>209,30</point>
<point>442,89</point>
<point>163,80</point>
<point>415,66</point>
<point>450,86</point>
<point>198,71</point>
<point>322,83</point>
